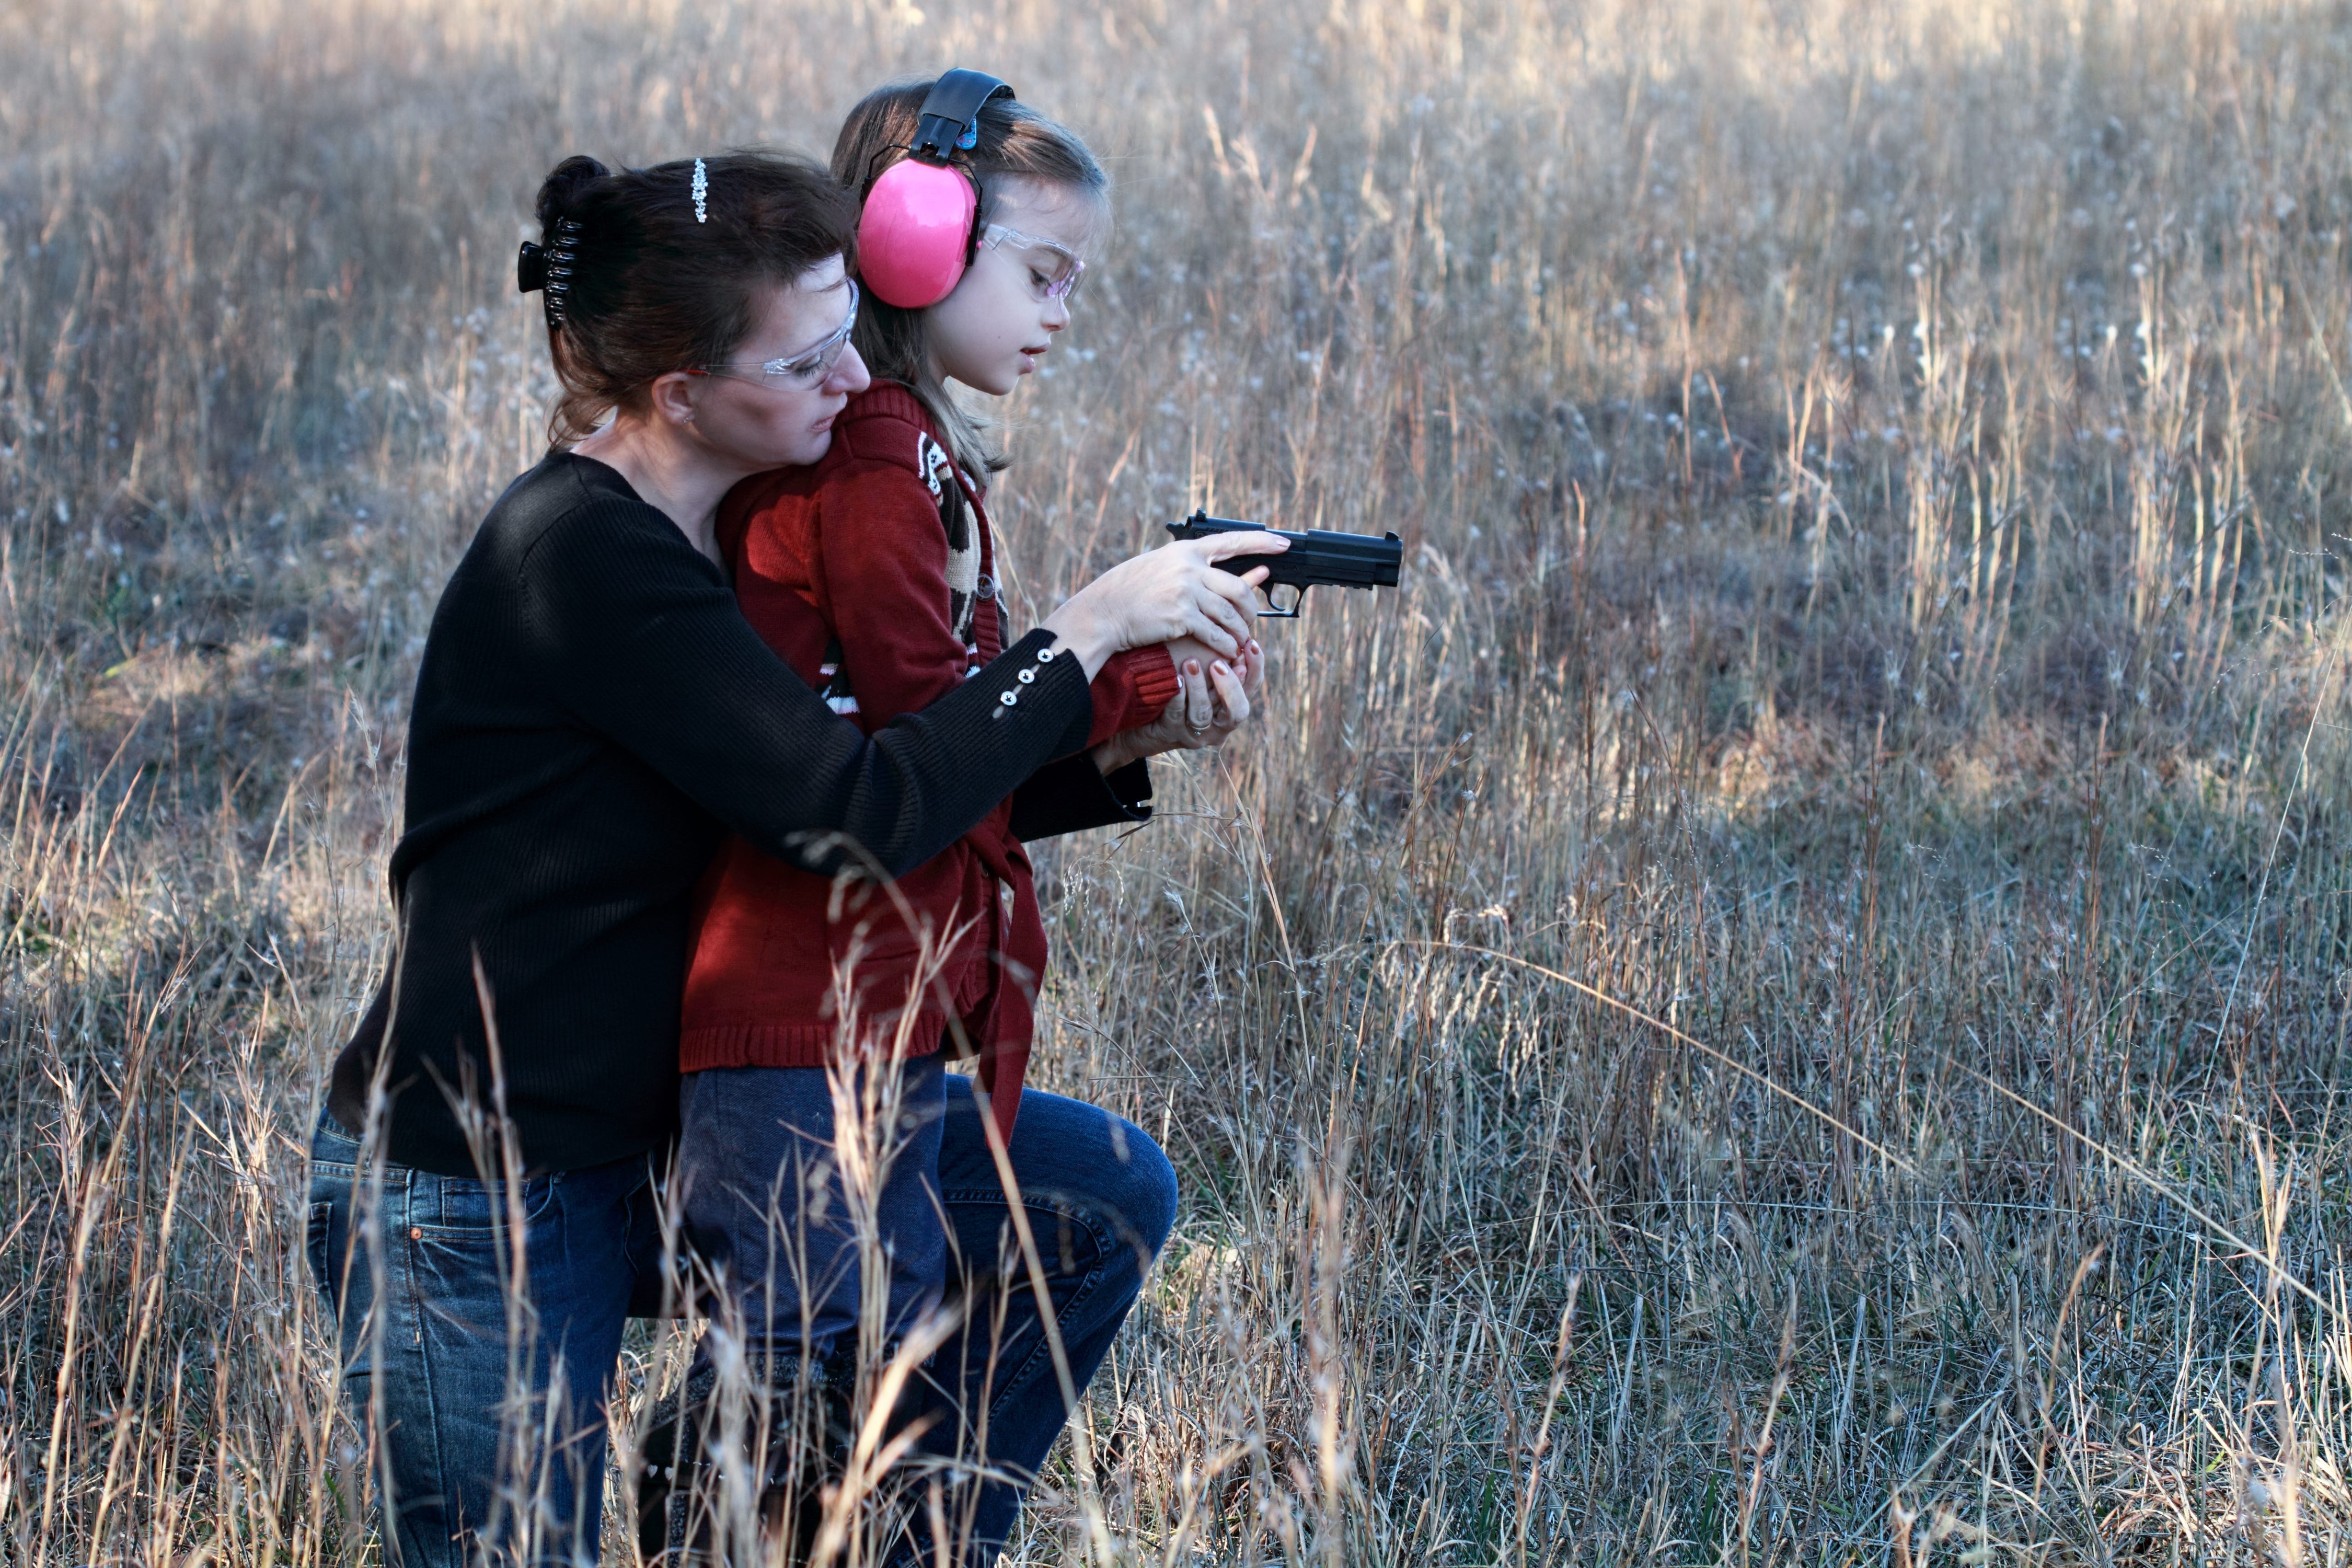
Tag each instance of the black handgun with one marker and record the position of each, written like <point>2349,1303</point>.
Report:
<point>1315,558</point>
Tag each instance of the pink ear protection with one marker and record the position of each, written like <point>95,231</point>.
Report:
<point>921,226</point>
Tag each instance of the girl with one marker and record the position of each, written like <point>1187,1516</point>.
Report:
<point>592,717</point>
<point>875,574</point>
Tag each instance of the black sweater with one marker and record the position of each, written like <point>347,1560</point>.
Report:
<point>592,715</point>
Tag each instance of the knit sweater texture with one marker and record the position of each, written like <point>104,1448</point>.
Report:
<point>874,575</point>
<point>592,717</point>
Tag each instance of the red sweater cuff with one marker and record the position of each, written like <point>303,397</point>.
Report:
<point>1133,690</point>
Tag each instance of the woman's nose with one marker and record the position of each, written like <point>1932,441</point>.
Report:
<point>849,376</point>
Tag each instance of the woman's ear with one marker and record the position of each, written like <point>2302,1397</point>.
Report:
<point>672,397</point>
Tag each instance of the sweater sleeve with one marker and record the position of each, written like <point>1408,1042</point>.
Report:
<point>881,557</point>
<point>1072,795</point>
<point>1134,689</point>
<point>645,645</point>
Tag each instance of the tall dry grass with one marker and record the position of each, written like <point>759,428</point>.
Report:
<point>1785,1000</point>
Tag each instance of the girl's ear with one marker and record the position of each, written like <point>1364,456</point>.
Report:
<point>672,397</point>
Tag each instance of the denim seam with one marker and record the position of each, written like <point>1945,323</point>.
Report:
<point>1104,1239</point>
<point>320,1254</point>
<point>531,1215</point>
<point>431,1384</point>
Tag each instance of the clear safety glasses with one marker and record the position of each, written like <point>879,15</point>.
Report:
<point>796,373</point>
<point>1054,269</point>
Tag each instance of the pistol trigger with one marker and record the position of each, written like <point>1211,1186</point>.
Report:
<point>1276,609</point>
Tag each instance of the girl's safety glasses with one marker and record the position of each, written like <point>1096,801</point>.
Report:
<point>1054,269</point>
<point>796,373</point>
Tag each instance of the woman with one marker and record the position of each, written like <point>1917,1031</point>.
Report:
<point>593,715</point>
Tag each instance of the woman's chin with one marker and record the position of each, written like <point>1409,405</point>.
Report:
<point>803,450</point>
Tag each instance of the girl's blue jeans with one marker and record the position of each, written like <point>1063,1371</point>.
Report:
<point>429,1332</point>
<point>1099,1198</point>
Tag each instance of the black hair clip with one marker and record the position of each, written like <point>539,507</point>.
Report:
<point>547,269</point>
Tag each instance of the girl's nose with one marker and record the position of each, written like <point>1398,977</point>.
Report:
<point>849,376</point>
<point>1057,313</point>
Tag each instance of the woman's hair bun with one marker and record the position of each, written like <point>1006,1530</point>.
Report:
<point>560,193</point>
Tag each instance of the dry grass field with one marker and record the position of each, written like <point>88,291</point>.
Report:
<point>1785,1001</point>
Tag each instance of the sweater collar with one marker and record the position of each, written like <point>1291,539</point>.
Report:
<point>889,400</point>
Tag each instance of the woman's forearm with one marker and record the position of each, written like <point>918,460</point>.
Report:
<point>692,691</point>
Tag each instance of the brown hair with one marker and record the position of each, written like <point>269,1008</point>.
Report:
<point>653,288</point>
<point>1015,142</point>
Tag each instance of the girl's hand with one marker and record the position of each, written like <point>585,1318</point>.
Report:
<point>1175,591</point>
<point>1212,700</point>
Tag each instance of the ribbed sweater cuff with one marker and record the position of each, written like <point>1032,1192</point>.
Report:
<point>1131,787</point>
<point>1155,684</point>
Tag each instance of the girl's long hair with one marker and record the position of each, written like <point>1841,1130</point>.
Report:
<point>1015,142</point>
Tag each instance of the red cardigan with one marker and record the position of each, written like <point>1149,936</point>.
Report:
<point>873,575</point>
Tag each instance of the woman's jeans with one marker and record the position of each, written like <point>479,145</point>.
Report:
<point>757,1144</point>
<point>428,1333</point>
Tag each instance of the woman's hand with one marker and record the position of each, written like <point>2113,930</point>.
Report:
<point>1212,700</point>
<point>1175,591</point>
